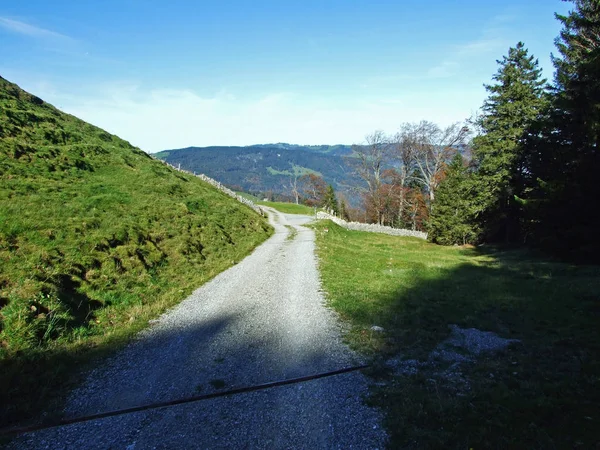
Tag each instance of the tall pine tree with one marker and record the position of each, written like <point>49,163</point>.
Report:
<point>330,202</point>
<point>568,161</point>
<point>453,221</point>
<point>516,100</point>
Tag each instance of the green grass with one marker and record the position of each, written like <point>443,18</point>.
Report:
<point>278,172</point>
<point>296,170</point>
<point>161,155</point>
<point>293,233</point>
<point>541,394</point>
<point>290,208</point>
<point>299,171</point>
<point>96,238</point>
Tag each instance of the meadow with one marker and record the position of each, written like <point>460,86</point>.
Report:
<point>541,393</point>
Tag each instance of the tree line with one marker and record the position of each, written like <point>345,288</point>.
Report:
<point>531,177</point>
<point>522,172</point>
<point>401,173</point>
<point>312,190</point>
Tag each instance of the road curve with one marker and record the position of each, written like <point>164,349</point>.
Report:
<point>262,320</point>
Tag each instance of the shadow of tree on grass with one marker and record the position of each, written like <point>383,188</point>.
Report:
<point>540,394</point>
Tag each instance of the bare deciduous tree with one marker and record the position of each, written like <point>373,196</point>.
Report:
<point>403,152</point>
<point>432,148</point>
<point>369,162</point>
<point>293,184</point>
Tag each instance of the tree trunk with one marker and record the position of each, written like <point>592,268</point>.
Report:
<point>401,206</point>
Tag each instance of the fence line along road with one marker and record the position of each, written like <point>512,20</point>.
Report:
<point>371,227</point>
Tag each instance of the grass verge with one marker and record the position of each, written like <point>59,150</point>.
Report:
<point>293,232</point>
<point>248,196</point>
<point>541,394</point>
<point>290,208</point>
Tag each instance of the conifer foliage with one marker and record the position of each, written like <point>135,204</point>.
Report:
<point>568,162</point>
<point>488,192</point>
<point>330,202</point>
<point>517,99</point>
<point>535,162</point>
<point>454,219</point>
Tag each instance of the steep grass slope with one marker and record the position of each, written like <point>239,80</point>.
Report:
<point>96,237</point>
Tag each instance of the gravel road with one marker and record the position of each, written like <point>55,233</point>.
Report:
<point>262,320</point>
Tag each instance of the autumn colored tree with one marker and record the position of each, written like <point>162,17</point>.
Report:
<point>417,210</point>
<point>400,187</point>
<point>432,148</point>
<point>403,154</point>
<point>314,189</point>
<point>294,187</point>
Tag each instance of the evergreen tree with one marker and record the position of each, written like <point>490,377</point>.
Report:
<point>330,202</point>
<point>344,210</point>
<point>453,221</point>
<point>568,161</point>
<point>516,100</point>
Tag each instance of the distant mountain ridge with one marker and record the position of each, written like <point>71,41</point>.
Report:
<point>264,167</point>
<point>338,149</point>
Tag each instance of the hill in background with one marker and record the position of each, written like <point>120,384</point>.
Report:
<point>266,167</point>
<point>96,237</point>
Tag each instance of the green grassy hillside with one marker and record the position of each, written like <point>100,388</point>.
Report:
<point>96,238</point>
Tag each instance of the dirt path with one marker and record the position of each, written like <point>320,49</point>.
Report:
<point>262,320</point>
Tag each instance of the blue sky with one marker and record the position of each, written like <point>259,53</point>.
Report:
<point>181,73</point>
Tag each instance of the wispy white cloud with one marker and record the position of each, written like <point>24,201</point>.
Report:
<point>443,70</point>
<point>454,61</point>
<point>462,54</point>
<point>491,42</point>
<point>33,31</point>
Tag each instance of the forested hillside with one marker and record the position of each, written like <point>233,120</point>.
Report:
<point>263,168</point>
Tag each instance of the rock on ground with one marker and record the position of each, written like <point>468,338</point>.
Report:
<point>446,361</point>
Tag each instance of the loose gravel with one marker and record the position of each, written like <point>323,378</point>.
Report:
<point>262,320</point>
